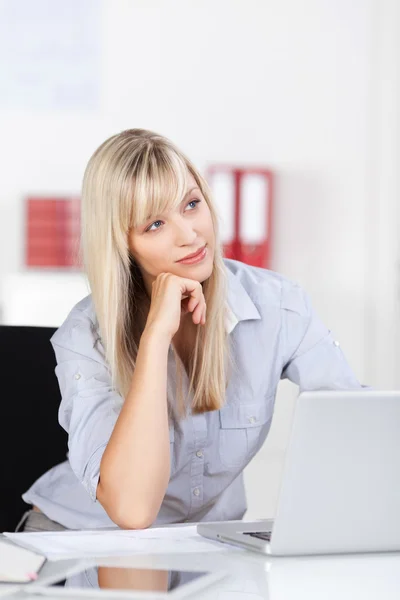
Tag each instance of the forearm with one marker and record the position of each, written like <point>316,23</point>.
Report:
<point>135,467</point>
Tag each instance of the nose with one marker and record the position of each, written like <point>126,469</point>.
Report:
<point>185,235</point>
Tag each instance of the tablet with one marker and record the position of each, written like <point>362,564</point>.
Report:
<point>132,582</point>
<point>18,565</point>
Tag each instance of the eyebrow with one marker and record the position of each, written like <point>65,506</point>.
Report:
<point>190,191</point>
<point>184,198</point>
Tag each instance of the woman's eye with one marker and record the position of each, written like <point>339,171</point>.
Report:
<point>155,223</point>
<point>194,202</point>
<point>158,224</point>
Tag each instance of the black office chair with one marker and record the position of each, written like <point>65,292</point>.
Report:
<point>31,439</point>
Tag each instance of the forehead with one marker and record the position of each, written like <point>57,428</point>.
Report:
<point>191,182</point>
<point>163,201</point>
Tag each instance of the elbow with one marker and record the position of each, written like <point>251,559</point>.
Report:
<point>131,518</point>
<point>125,514</point>
<point>136,521</point>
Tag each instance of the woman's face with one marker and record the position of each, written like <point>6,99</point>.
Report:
<point>160,245</point>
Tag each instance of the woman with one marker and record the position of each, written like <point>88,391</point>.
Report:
<point>168,371</point>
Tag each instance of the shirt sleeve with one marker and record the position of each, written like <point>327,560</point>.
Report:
<point>89,405</point>
<point>313,358</point>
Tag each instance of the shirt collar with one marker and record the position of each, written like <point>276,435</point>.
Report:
<point>240,306</point>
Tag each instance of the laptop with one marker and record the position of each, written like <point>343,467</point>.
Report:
<point>340,489</point>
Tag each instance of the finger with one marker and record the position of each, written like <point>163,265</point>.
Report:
<point>192,304</point>
<point>201,312</point>
<point>184,305</point>
<point>190,287</point>
<point>198,313</point>
<point>194,301</point>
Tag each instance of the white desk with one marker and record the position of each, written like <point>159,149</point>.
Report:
<point>253,576</point>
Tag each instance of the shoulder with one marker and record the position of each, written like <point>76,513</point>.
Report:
<point>80,328</point>
<point>267,288</point>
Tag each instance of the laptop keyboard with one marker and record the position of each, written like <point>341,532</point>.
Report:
<point>261,535</point>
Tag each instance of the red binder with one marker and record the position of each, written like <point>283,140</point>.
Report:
<point>52,232</point>
<point>245,197</point>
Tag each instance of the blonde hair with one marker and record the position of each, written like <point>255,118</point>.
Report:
<point>131,176</point>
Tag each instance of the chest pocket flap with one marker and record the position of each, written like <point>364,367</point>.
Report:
<point>234,416</point>
<point>243,428</point>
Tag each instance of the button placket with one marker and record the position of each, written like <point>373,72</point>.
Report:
<point>199,424</point>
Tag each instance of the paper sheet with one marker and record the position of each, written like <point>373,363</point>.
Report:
<point>79,544</point>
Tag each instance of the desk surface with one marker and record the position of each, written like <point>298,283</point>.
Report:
<point>253,576</point>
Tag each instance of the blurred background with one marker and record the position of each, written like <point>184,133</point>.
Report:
<point>308,91</point>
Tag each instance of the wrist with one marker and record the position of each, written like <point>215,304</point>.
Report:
<point>153,335</point>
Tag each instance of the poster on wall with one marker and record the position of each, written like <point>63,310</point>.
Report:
<point>49,54</point>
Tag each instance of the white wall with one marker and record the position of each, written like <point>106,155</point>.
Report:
<point>285,84</point>
<point>383,253</point>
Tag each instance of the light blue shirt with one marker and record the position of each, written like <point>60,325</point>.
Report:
<point>275,334</point>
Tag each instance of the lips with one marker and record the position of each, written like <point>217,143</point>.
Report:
<point>194,254</point>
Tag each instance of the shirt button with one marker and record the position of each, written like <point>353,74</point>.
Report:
<point>196,492</point>
<point>336,343</point>
<point>199,453</point>
<point>252,420</point>
<point>77,376</point>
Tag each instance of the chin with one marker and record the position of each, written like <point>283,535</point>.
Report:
<point>203,274</point>
<point>198,273</point>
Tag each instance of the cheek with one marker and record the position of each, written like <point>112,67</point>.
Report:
<point>155,253</point>
<point>205,219</point>
<point>209,226</point>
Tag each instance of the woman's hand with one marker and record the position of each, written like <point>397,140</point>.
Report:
<point>171,295</point>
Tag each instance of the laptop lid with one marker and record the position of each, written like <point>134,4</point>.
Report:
<point>340,489</point>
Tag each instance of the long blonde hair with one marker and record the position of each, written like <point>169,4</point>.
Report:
<point>132,175</point>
